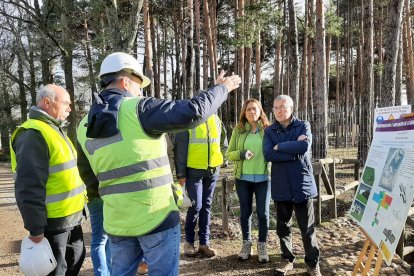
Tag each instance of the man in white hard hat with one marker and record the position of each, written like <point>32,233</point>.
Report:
<point>124,159</point>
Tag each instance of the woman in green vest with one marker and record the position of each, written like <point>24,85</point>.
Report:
<point>251,174</point>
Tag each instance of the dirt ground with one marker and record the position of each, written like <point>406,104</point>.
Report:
<point>340,242</point>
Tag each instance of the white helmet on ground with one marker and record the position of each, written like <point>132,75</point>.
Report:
<point>36,259</point>
<point>121,61</point>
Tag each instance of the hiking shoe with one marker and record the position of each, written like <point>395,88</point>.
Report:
<point>262,252</point>
<point>206,250</point>
<point>246,251</point>
<point>314,271</point>
<point>189,249</point>
<point>143,268</point>
<point>284,267</point>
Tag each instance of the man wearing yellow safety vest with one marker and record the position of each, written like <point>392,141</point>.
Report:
<point>198,156</point>
<point>124,157</point>
<point>49,191</point>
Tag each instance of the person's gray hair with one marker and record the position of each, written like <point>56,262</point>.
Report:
<point>288,99</point>
<point>45,91</point>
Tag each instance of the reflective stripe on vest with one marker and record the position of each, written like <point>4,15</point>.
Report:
<point>133,169</point>
<point>133,172</point>
<point>64,187</point>
<point>57,168</point>
<point>65,195</point>
<point>136,186</point>
<point>62,167</point>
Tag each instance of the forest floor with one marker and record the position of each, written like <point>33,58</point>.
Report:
<point>340,242</point>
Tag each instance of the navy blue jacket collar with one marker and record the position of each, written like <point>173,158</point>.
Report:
<point>103,115</point>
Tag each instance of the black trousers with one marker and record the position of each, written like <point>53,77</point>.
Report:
<point>69,250</point>
<point>305,217</point>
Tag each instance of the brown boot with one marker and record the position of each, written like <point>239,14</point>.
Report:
<point>143,268</point>
<point>189,249</point>
<point>207,251</point>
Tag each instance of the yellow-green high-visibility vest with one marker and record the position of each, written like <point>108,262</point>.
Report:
<point>134,175</point>
<point>204,145</point>
<point>65,191</point>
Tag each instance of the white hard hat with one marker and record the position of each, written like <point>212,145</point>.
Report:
<point>121,61</point>
<point>36,259</point>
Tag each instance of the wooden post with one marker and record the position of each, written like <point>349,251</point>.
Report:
<point>332,180</point>
<point>317,170</point>
<point>224,206</point>
<point>318,211</point>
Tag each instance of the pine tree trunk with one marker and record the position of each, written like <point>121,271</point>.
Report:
<point>88,58</point>
<point>378,55</point>
<point>365,136</point>
<point>20,83</point>
<point>391,44</point>
<point>399,77</point>
<point>240,59</point>
<point>190,49</point>
<point>205,65</point>
<point>165,56</point>
<point>148,48</point>
<point>154,63</point>
<point>320,133</point>
<point>210,41</point>
<point>7,124</point>
<point>337,96</point>
<point>197,45</point>
<point>347,90</point>
<point>178,91</point>
<point>247,74</point>
<point>303,108</point>
<point>293,56</point>
<point>408,53</point>
<point>258,95</point>
<point>32,70</point>
<point>311,10</point>
<point>157,63</point>
<point>276,76</point>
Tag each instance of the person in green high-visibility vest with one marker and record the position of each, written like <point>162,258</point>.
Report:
<point>49,191</point>
<point>198,156</point>
<point>123,157</point>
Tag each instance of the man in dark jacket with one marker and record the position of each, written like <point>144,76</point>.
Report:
<point>287,144</point>
<point>49,191</point>
<point>200,177</point>
<point>138,213</point>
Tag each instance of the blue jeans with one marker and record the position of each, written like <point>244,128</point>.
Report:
<point>161,251</point>
<point>261,191</point>
<point>100,252</point>
<point>200,191</point>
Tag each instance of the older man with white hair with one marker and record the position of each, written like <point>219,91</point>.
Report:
<point>287,144</point>
<point>49,191</point>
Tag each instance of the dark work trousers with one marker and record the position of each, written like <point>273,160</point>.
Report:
<point>261,191</point>
<point>200,191</point>
<point>69,250</point>
<point>305,217</point>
